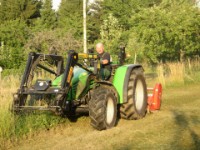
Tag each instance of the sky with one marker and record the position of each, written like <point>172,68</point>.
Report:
<point>56,3</point>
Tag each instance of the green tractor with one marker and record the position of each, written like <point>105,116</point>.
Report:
<point>78,85</point>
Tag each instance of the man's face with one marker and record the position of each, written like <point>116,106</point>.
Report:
<point>99,49</point>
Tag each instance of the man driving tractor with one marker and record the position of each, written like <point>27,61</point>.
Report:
<point>105,69</point>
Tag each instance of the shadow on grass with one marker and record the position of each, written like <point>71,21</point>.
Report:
<point>184,126</point>
<point>75,116</point>
<point>85,113</point>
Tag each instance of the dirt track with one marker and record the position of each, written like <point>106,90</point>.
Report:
<point>176,126</point>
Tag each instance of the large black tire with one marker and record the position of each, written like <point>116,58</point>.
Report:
<point>136,107</point>
<point>103,108</point>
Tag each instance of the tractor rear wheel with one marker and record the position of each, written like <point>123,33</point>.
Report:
<point>136,106</point>
<point>103,108</point>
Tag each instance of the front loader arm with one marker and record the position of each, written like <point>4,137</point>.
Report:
<point>71,62</point>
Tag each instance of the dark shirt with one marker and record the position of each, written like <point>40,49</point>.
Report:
<point>105,56</point>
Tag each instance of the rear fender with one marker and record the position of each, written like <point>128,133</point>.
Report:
<point>121,80</point>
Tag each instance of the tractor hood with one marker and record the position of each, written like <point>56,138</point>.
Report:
<point>78,82</point>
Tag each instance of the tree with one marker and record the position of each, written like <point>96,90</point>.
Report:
<point>135,49</point>
<point>168,31</point>
<point>13,36</point>
<point>48,15</point>
<point>120,9</point>
<point>123,10</point>
<point>70,16</point>
<point>23,9</point>
<point>111,33</point>
<point>94,21</point>
<point>53,41</point>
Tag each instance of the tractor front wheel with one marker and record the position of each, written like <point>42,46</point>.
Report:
<point>103,108</point>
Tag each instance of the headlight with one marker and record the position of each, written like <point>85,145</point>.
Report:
<point>15,97</point>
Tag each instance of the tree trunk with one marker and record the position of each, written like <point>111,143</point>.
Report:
<point>182,54</point>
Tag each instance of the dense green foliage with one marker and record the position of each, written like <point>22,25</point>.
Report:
<point>153,30</point>
<point>23,9</point>
<point>70,16</point>
<point>48,16</point>
<point>13,36</point>
<point>110,33</point>
<point>169,31</point>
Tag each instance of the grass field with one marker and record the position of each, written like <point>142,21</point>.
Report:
<point>176,126</point>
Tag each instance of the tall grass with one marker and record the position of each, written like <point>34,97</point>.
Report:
<point>160,72</point>
<point>13,126</point>
<point>7,87</point>
<point>173,74</point>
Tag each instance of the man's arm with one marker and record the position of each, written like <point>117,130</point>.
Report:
<point>105,59</point>
<point>104,62</point>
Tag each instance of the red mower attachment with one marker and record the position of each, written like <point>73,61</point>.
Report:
<point>154,97</point>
